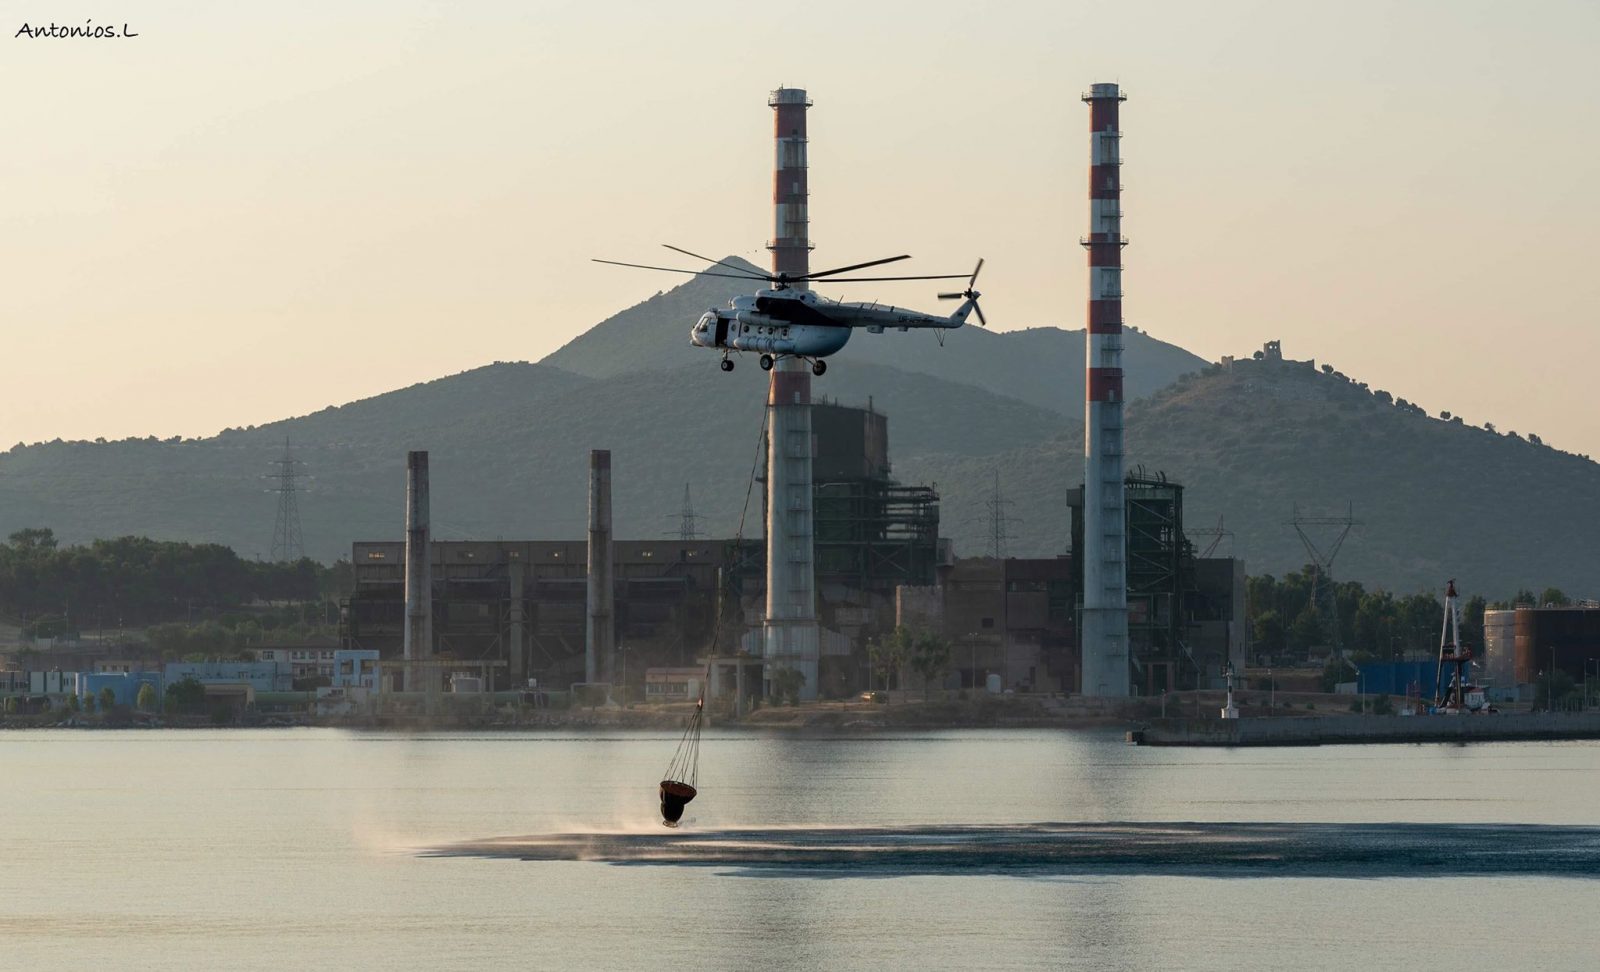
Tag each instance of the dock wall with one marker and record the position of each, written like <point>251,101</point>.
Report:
<point>1345,730</point>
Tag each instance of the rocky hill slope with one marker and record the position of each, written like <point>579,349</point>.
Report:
<point>1434,498</point>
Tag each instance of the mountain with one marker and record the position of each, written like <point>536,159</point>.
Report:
<point>1434,498</point>
<point>1042,366</point>
<point>509,450</point>
<point>509,446</point>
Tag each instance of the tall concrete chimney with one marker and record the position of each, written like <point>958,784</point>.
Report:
<point>1105,572</point>
<point>789,630</point>
<point>418,637</point>
<point>599,631</point>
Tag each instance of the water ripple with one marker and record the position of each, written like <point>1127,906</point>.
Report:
<point>1196,849</point>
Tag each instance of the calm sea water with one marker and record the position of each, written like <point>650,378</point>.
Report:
<point>323,849</point>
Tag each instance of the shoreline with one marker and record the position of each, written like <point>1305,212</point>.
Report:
<point>905,712</point>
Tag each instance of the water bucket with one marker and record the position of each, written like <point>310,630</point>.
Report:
<point>674,797</point>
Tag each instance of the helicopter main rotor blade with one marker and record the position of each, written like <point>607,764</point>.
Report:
<point>937,276</point>
<point>752,276</point>
<point>692,273</point>
<point>853,266</point>
<point>975,271</point>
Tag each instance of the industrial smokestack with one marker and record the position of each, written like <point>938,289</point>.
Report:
<point>1105,574</point>
<point>418,637</point>
<point>599,632</point>
<point>789,631</point>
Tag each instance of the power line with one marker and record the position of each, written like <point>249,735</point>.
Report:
<point>1333,530</point>
<point>998,522</point>
<point>287,543</point>
<point>1217,534</point>
<point>688,521</point>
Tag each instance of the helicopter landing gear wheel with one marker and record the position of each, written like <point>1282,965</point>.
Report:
<point>818,367</point>
<point>727,364</point>
<point>766,362</point>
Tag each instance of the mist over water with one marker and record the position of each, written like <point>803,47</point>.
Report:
<point>988,849</point>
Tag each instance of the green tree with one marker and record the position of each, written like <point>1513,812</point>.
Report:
<point>1555,690</point>
<point>930,657</point>
<point>888,655</point>
<point>11,705</point>
<point>33,539</point>
<point>108,699</point>
<point>147,698</point>
<point>1472,621</point>
<point>88,704</point>
<point>1553,597</point>
<point>1306,632</point>
<point>1269,632</point>
<point>786,684</point>
<point>186,695</point>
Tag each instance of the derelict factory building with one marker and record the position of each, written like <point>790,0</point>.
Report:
<point>525,602</point>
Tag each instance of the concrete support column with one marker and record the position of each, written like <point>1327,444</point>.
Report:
<point>516,651</point>
<point>418,631</point>
<point>599,633</point>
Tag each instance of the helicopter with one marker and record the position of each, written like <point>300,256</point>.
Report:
<point>781,322</point>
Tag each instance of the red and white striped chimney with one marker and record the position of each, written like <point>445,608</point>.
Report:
<point>791,232</point>
<point>790,636</point>
<point>1105,575</point>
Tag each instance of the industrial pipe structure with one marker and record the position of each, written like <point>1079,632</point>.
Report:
<point>1105,574</point>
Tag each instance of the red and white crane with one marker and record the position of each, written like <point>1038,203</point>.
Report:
<point>1458,696</point>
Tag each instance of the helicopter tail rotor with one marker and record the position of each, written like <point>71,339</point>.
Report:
<point>970,294</point>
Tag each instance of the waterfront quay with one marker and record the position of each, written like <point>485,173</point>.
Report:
<point>1347,730</point>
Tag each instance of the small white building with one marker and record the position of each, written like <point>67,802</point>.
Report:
<point>53,683</point>
<point>673,684</point>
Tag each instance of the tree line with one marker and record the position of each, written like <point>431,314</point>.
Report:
<point>52,589</point>
<point>1372,625</point>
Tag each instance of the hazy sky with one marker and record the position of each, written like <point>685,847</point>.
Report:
<point>254,211</point>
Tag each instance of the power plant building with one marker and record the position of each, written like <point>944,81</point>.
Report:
<point>526,603</point>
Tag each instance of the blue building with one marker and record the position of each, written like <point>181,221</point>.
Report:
<point>1416,679</point>
<point>123,685</point>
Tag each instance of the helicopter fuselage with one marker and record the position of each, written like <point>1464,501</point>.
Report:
<point>803,324</point>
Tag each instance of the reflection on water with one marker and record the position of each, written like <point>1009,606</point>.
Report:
<point>1194,849</point>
